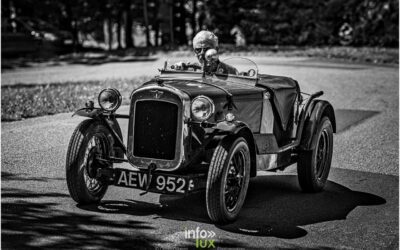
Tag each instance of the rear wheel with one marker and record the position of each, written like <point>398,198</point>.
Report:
<point>313,166</point>
<point>228,180</point>
<point>89,139</point>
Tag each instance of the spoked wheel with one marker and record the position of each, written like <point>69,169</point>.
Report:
<point>313,166</point>
<point>89,140</point>
<point>228,180</point>
<point>234,180</point>
<point>323,151</point>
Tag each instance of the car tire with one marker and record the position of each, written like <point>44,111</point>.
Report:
<point>90,137</point>
<point>314,165</point>
<point>228,180</point>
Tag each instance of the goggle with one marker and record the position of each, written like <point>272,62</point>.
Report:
<point>201,50</point>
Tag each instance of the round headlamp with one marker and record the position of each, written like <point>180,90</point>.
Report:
<point>110,99</point>
<point>202,108</point>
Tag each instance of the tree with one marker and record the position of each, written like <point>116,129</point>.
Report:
<point>146,23</point>
<point>128,24</point>
<point>193,18</point>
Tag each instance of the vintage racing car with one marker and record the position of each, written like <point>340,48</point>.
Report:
<point>192,130</point>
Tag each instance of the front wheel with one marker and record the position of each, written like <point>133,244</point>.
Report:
<point>228,180</point>
<point>90,138</point>
<point>313,166</point>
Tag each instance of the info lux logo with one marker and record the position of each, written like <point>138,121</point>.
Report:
<point>203,237</point>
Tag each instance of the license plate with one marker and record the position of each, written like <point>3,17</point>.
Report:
<point>160,182</point>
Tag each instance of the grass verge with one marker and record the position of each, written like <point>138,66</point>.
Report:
<point>25,101</point>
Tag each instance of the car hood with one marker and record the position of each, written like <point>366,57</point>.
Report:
<point>211,86</point>
<point>247,98</point>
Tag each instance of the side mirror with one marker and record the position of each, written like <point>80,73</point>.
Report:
<point>211,55</point>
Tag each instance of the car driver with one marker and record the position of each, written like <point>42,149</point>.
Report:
<point>203,41</point>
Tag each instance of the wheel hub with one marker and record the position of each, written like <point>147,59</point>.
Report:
<point>91,165</point>
<point>91,161</point>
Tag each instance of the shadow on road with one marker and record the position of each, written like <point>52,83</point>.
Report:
<point>21,193</point>
<point>6,176</point>
<point>29,225</point>
<point>347,118</point>
<point>274,206</point>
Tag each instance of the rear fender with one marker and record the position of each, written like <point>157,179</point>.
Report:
<point>317,110</point>
<point>111,122</point>
<point>239,129</point>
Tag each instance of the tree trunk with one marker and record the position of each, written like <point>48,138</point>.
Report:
<point>193,19</point>
<point>73,26</point>
<point>128,25</point>
<point>7,8</point>
<point>182,23</point>
<point>156,23</point>
<point>119,26</point>
<point>146,23</point>
<point>157,34</point>
<point>75,35</point>
<point>171,23</point>
<point>110,33</point>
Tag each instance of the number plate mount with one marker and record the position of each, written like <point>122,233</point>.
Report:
<point>161,182</point>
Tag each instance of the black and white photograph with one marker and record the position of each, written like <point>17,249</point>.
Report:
<point>199,124</point>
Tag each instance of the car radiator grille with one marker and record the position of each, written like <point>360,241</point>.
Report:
<point>155,129</point>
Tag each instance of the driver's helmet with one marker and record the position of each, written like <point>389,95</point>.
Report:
<point>203,41</point>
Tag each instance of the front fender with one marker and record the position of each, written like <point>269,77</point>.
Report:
<point>88,112</point>
<point>111,122</point>
<point>229,127</point>
<point>317,110</point>
<point>239,129</point>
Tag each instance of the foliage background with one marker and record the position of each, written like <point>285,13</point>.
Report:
<point>263,22</point>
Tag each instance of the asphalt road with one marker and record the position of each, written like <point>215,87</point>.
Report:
<point>358,209</point>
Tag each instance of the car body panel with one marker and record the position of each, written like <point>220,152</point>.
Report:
<point>254,106</point>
